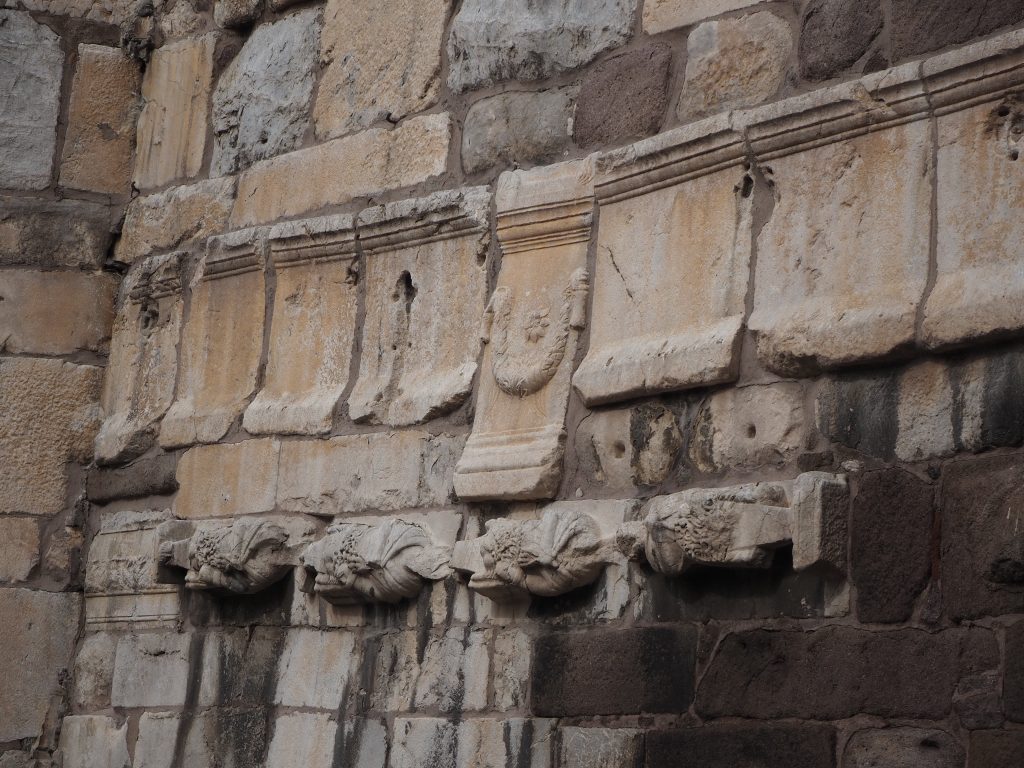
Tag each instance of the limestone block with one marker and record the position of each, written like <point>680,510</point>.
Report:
<point>980,282</point>
<point>302,739</point>
<point>454,671</point>
<point>49,418</point>
<point>19,548</point>
<point>56,313</point>
<point>65,233</point>
<point>222,343</point>
<point>363,743</point>
<point>382,60</point>
<point>37,633</point>
<point>663,15</point>
<point>92,741</point>
<point>734,63</point>
<point>312,329</point>
<point>531,326</point>
<point>522,40</point>
<point>94,671</point>
<point>601,747</point>
<point>672,265</point>
<point>174,218</point>
<point>425,291</point>
<point>261,103</point>
<point>228,479</point>
<point>106,11</point>
<point>101,121</point>
<point>238,13</point>
<point>338,171</point>
<point>926,748</point>
<point>475,743</point>
<point>30,83</point>
<point>158,732</point>
<point>924,413</point>
<point>315,668</point>
<point>633,446</point>
<point>815,305</point>
<point>151,670</point>
<point>510,674</point>
<point>139,384</point>
<point>173,124</point>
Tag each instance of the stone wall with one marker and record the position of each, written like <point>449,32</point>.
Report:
<point>471,384</point>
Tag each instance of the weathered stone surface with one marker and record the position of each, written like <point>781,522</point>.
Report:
<point>425,293</point>
<point>94,671</point>
<point>50,416</point>
<point>92,741</point>
<point>37,631</point>
<point>382,60</point>
<point>601,747</point>
<point>122,554</point>
<point>302,739</point>
<point>476,743</point>
<point>175,217</point>
<point>510,673</point>
<point>663,15</point>
<point>979,286</point>
<point>314,668</point>
<point>995,749</point>
<point>95,10</point>
<point>925,412</point>
<point>222,343</point>
<point>982,546</point>
<point>522,40</point>
<point>834,34</point>
<point>859,411</point>
<point>101,121</point>
<point>151,670</point>
<point>734,63</point>
<point>813,306</point>
<point>624,97</point>
<point>453,674</point>
<point>633,447</point>
<point>532,327</point>
<point>158,732</point>
<point>237,13</point>
<point>519,127</point>
<point>261,104</point>
<point>836,672</point>
<point>66,233</point>
<point>30,83</point>
<point>614,671</point>
<point>338,171</point>
<point>977,701</point>
<point>172,127</point>
<point>15,759</point>
<point>312,329</point>
<point>894,747</point>
<point>1013,689</point>
<point>240,666</point>
<point>919,26</point>
<point>150,476</point>
<point>19,548</point>
<point>227,480</point>
<point>736,744</point>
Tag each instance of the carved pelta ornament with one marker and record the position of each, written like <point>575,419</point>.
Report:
<point>384,563</point>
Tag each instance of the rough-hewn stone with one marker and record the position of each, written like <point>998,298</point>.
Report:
<point>977,701</point>
<point>1013,689</point>
<point>859,411</point>
<point>892,747</point>
<point>601,747</point>
<point>663,15</point>
<point>149,476</point>
<point>476,743</point>
<point>236,13</point>
<point>995,749</point>
<point>66,233</point>
<point>106,11</point>
<point>91,741</point>
<point>227,480</point>
<point>919,26</point>
<point>835,34</point>
<point>19,548</point>
<point>94,671</point>
<point>261,103</point>
<point>736,744</point>
<point>633,447</point>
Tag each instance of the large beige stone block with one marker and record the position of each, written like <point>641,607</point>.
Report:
<point>532,326</point>
<point>382,60</point>
<point>673,259</point>
<point>93,741</point>
<point>228,479</point>
<point>19,548</point>
<point>425,292</point>
<point>151,670</point>
<point>663,15</point>
<point>48,417</point>
<point>56,313</point>
<point>59,233</point>
<point>304,739</point>
<point>222,343</point>
<point>312,329</point>
<point>315,667</point>
<point>473,743</point>
<point>94,671</point>
<point>979,288</point>
<point>174,121</point>
<point>338,171</point>
<point>101,121</point>
<point>37,633</point>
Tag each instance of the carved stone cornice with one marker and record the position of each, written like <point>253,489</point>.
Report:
<point>440,216</point>
<point>320,240</point>
<point>235,253</point>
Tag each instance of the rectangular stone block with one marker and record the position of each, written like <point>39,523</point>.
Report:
<point>149,476</point>
<point>532,326</point>
<point>312,329</point>
<point>475,743</point>
<point>343,169</point>
<point>101,121</point>
<point>151,670</point>
<point>65,233</point>
<point>19,548</point>
<point>29,323</point>
<point>122,555</point>
<point>222,343</point>
<point>315,667</point>
<point>454,671</point>
<point>1013,687</point>
<point>228,479</point>
<point>94,671</point>
<point>725,746</point>
<point>663,15</point>
<point>302,739</point>
<point>425,290</point>
<point>93,741</point>
<point>673,262</point>
<point>173,125</point>
<point>601,747</point>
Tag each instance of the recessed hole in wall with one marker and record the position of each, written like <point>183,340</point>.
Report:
<point>751,431</point>
<point>748,186</point>
<point>619,449</point>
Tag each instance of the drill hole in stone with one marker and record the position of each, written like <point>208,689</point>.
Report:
<point>751,431</point>
<point>619,449</point>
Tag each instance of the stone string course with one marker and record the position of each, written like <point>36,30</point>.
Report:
<point>413,385</point>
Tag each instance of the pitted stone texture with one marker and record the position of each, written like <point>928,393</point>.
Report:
<point>979,289</point>
<point>175,217</point>
<point>925,411</point>
<point>228,737</point>
<point>510,672</point>
<point>50,415</point>
<point>302,739</point>
<point>454,672</point>
<point>107,11</point>
<point>314,668</point>
<point>734,63</point>
<point>56,313</point>
<point>19,548</point>
<point>94,671</point>
<point>663,15</point>
<point>172,127</point>
<point>30,82</point>
<point>228,479</point>
<point>1013,690</point>
<point>261,104</point>
<point>237,13</point>
<point>633,447</point>
<point>475,743</point>
<point>151,670</point>
<point>66,233</point>
<point>92,741</point>
<point>731,745</point>
<point>978,701</point>
<point>919,26</point>
<point>894,747</point>
<point>601,747</point>
<point>814,307</point>
<point>835,34</point>
<point>382,60</point>
<point>101,121</point>
<point>37,632</point>
<point>522,40</point>
<point>518,128</point>
<point>121,556</point>
<point>338,171</point>
<point>995,749</point>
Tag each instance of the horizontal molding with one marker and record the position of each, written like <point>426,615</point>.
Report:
<point>409,223</point>
<point>235,253</point>
<point>322,239</point>
<point>545,226</point>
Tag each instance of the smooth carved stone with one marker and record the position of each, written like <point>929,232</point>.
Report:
<point>742,526</point>
<point>139,385</point>
<point>425,289</point>
<point>222,344</point>
<point>672,265</point>
<point>532,327</point>
<point>383,563</point>
<point>312,329</point>
<point>225,480</point>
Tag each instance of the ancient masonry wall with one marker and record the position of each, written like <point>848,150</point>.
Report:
<point>491,383</point>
